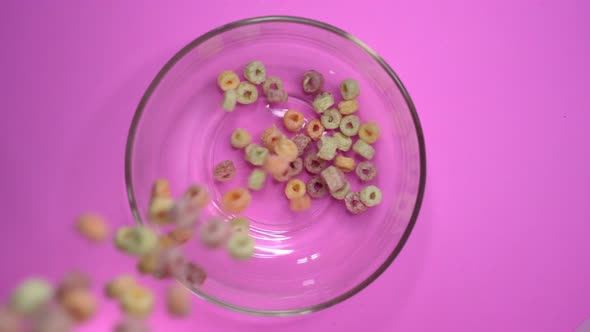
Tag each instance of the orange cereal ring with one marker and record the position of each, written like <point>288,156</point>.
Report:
<point>314,129</point>
<point>236,200</point>
<point>293,120</point>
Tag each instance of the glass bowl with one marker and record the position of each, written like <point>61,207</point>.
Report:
<point>303,262</point>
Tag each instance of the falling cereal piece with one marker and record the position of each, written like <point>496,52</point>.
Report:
<point>181,235</point>
<point>256,154</point>
<point>115,288</point>
<point>293,120</point>
<point>345,164</point>
<point>93,227</point>
<point>30,295</point>
<point>371,195</point>
<point>240,138</point>
<point>51,318</point>
<point>295,189</point>
<point>136,240</point>
<point>239,224</point>
<point>341,193</point>
<point>240,246</point>
<point>10,321</point>
<point>192,275</point>
<point>323,101</point>
<point>256,179</point>
<point>300,204</point>
<point>137,302</point>
<point>369,132</point>
<point>312,81</point>
<point>228,80</point>
<point>80,304</point>
<point>255,72</point>
<point>160,210</point>
<point>349,89</point>
<point>161,188</point>
<point>72,281</point>
<point>246,93</point>
<point>316,188</point>
<point>354,204</point>
<point>363,149</point>
<point>214,232</point>
<point>366,171</point>
<point>224,171</point>
<point>302,142</point>
<point>197,196</point>
<point>236,200</point>
<point>178,301</point>
<point>333,178</point>
<point>314,129</point>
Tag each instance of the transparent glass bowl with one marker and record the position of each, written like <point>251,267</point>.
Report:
<point>304,262</point>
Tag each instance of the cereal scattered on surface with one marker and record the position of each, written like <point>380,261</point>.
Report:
<point>256,179</point>
<point>316,188</point>
<point>342,192</point>
<point>293,120</point>
<point>333,178</point>
<point>366,171</point>
<point>256,154</point>
<point>349,89</point>
<point>323,101</point>
<point>347,107</point>
<point>214,232</point>
<point>224,171</point>
<point>300,204</point>
<point>312,81</point>
<point>346,164</point>
<point>349,125</point>
<point>327,148</point>
<point>363,149</point>
<point>302,142</point>
<point>353,203</point>
<point>240,138</point>
<point>369,132</point>
<point>295,188</point>
<point>371,195</point>
<point>255,72</point>
<point>331,118</point>
<point>240,245</point>
<point>246,93</point>
<point>236,200</point>
<point>314,164</point>
<point>343,142</point>
<point>314,129</point>
<point>228,80</point>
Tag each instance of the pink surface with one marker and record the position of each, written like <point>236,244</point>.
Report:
<point>501,242</point>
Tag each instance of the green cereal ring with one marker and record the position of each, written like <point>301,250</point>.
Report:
<point>371,195</point>
<point>349,125</point>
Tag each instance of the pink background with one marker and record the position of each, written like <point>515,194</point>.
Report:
<point>501,88</point>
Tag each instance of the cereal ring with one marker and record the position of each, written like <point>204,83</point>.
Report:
<point>276,165</point>
<point>295,189</point>
<point>181,235</point>
<point>314,164</point>
<point>327,148</point>
<point>256,179</point>
<point>224,171</point>
<point>178,301</point>
<point>316,187</point>
<point>136,241</point>
<point>270,137</point>
<point>115,288</point>
<point>230,99</point>
<point>240,138</point>
<point>300,204</point>
<point>239,224</point>
<point>93,227</point>
<point>246,93</point>
<point>323,101</point>
<point>349,125</point>
<point>277,96</point>
<point>255,72</point>
<point>353,203</point>
<point>371,195</point>
<point>284,176</point>
<point>349,89</point>
<point>366,171</point>
<point>272,83</point>
<point>302,143</point>
<point>348,106</point>
<point>342,192</point>
<point>363,149</point>
<point>148,263</point>
<point>314,129</point>
<point>71,281</point>
<point>197,196</point>
<point>236,200</point>
<point>286,149</point>
<point>369,132</point>
<point>131,325</point>
<point>295,167</point>
<point>293,120</point>
<point>256,154</point>
<point>213,232</point>
<point>241,246</point>
<point>312,81</point>
<point>228,80</point>
<point>31,295</point>
<point>160,210</point>
<point>333,178</point>
<point>169,263</point>
<point>192,275</point>
<point>137,302</point>
<point>80,304</point>
<point>331,118</point>
<point>343,142</point>
<point>345,164</point>
<point>161,188</point>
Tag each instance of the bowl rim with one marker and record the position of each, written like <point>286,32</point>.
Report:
<point>317,24</point>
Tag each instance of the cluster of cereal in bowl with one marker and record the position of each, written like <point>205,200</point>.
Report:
<point>317,145</point>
